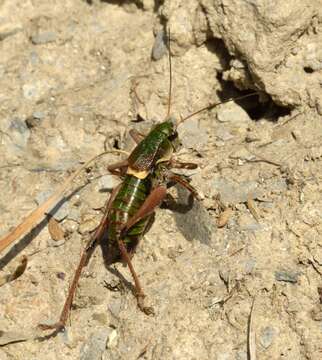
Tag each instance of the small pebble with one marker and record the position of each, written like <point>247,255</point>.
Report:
<point>19,133</point>
<point>250,265</point>
<point>241,355</point>
<point>224,134</point>
<point>232,192</point>
<point>87,226</point>
<point>224,356</point>
<point>115,306</point>
<point>18,125</point>
<point>30,91</point>
<point>267,336</point>
<point>192,136</point>
<point>100,318</point>
<point>43,38</point>
<point>316,313</point>
<point>34,58</point>
<point>74,215</point>
<point>95,345</point>
<point>242,154</point>
<point>38,115</point>
<point>232,113</point>
<point>159,46</point>
<point>67,338</point>
<point>108,182</point>
<point>112,339</point>
<point>287,276</point>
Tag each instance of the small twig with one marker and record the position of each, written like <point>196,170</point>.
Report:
<point>289,119</point>
<point>144,350</point>
<point>237,251</point>
<point>252,208</point>
<point>260,158</point>
<point>251,336</point>
<point>314,266</point>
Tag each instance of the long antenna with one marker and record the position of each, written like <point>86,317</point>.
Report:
<point>211,106</point>
<point>170,70</point>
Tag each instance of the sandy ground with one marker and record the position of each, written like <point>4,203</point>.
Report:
<point>74,76</point>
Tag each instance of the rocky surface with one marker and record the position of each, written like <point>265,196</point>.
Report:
<point>74,76</point>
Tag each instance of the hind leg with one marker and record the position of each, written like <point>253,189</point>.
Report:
<point>147,208</point>
<point>87,252</point>
<point>138,288</point>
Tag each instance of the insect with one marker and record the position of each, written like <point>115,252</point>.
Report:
<point>145,176</point>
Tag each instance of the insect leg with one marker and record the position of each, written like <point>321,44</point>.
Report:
<point>138,288</point>
<point>182,165</point>
<point>87,252</point>
<point>154,199</point>
<point>181,181</point>
<point>118,168</point>
<point>151,202</point>
<point>136,135</point>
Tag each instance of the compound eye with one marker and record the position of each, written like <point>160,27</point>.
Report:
<point>173,136</point>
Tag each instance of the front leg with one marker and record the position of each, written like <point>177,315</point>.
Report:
<point>118,168</point>
<point>136,136</point>
<point>184,183</point>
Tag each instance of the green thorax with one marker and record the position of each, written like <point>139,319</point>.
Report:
<point>152,147</point>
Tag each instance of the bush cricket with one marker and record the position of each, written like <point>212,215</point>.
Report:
<point>145,174</point>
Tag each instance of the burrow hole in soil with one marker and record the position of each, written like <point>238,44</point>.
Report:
<point>255,107</point>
